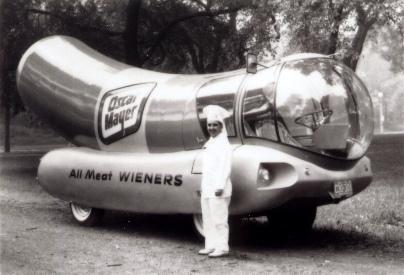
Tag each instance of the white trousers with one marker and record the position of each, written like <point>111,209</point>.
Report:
<point>215,213</point>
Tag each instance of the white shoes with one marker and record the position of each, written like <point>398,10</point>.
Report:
<point>213,253</point>
<point>218,254</point>
<point>206,251</point>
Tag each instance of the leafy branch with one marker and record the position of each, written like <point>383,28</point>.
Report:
<point>70,22</point>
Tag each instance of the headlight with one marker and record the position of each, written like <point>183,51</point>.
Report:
<point>275,175</point>
<point>264,177</point>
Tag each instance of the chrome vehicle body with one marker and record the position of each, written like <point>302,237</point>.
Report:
<point>299,129</point>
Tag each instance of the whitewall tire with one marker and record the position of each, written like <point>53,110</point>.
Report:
<point>87,216</point>
<point>198,224</point>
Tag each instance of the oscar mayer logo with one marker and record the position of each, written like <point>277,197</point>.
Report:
<point>121,111</point>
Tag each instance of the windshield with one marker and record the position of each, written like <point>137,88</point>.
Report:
<point>316,104</point>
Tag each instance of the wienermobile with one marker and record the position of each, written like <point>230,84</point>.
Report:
<point>299,128</point>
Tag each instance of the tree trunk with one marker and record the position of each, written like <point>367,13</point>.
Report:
<point>4,102</point>
<point>334,39</point>
<point>364,25</point>
<point>357,47</point>
<point>335,31</point>
<point>213,66</point>
<point>131,32</point>
<point>7,125</point>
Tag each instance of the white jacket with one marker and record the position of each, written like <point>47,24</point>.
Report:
<point>217,167</point>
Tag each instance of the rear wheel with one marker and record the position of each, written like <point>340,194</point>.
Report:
<point>292,220</point>
<point>87,216</point>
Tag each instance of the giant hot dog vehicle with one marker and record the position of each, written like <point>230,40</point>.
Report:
<point>299,129</point>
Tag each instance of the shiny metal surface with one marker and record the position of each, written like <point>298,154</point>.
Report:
<point>289,181</point>
<point>60,79</point>
<point>164,127</point>
<point>155,183</point>
<point>173,122</point>
<point>145,183</point>
<point>67,84</point>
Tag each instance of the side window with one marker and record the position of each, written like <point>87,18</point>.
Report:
<point>258,106</point>
<point>221,92</point>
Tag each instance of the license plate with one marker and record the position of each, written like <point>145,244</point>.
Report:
<point>343,188</point>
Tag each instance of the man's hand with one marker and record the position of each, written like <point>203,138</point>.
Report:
<point>218,192</point>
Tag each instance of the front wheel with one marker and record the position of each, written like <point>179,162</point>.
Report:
<point>87,216</point>
<point>198,224</point>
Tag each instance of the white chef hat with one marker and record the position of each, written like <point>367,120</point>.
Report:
<point>215,113</point>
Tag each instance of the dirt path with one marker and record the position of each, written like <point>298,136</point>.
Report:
<point>39,236</point>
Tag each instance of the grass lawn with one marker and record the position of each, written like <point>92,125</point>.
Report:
<point>376,215</point>
<point>22,135</point>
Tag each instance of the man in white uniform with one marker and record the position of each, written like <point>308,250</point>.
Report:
<point>216,185</point>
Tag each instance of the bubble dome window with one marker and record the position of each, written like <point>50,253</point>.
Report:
<point>316,104</point>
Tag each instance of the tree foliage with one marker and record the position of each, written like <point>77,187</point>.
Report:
<point>388,41</point>
<point>217,34</point>
<point>336,25</point>
<point>166,35</point>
